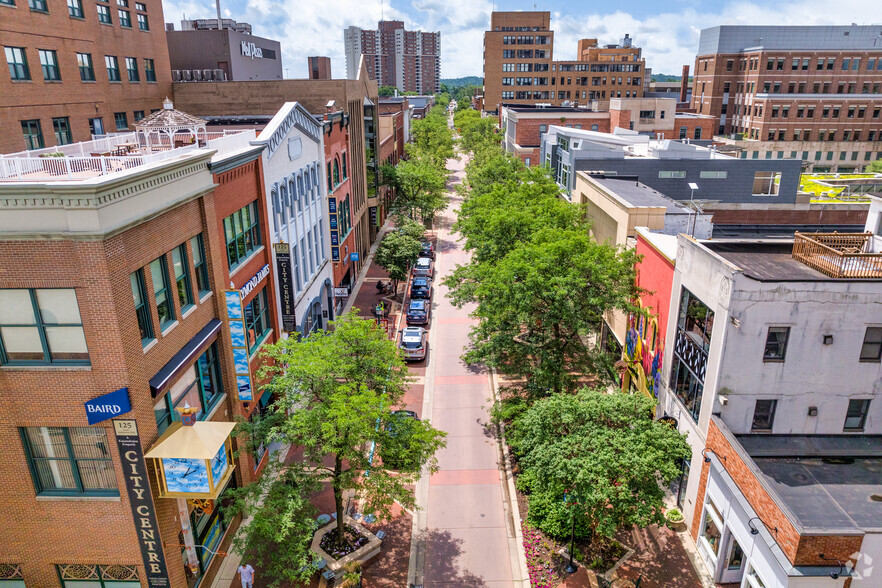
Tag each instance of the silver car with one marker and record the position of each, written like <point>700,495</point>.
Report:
<point>414,343</point>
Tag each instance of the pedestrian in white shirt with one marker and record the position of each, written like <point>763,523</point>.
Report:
<point>246,574</point>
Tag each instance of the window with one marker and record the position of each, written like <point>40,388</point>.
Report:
<point>543,129</point>
<point>38,5</point>
<point>710,534</point>
<point>764,415</point>
<point>41,326</point>
<point>33,135</point>
<point>345,172</point>
<point>164,307</point>
<point>671,174</point>
<point>87,71</point>
<point>697,134</point>
<point>18,63</point>
<point>871,350</point>
<point>199,265</point>
<point>138,115</point>
<point>776,343</point>
<point>132,67</point>
<point>713,175</point>
<point>104,14</point>
<point>61,127</point>
<point>8,3</point>
<point>112,65</point>
<point>149,70</point>
<point>141,6</point>
<point>753,579</point>
<point>766,183</point>
<point>73,460</point>
<point>98,576</point>
<point>242,234</point>
<point>694,330</point>
<point>856,416</point>
<point>200,387</point>
<point>75,8</point>
<point>182,277</point>
<point>683,132</point>
<point>142,311</point>
<point>121,121</point>
<point>257,323</point>
<point>125,18</point>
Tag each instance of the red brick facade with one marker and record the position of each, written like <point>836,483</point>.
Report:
<point>336,130</point>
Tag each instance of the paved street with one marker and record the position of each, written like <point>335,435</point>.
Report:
<point>462,535</point>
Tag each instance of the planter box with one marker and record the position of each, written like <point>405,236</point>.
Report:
<point>678,526</point>
<point>362,554</point>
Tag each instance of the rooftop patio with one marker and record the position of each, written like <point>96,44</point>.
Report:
<point>839,255</point>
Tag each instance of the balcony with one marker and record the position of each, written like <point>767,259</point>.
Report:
<point>839,255</point>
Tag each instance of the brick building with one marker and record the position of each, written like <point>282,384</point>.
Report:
<point>520,68</point>
<point>800,92</point>
<point>127,293</point>
<point>98,72</point>
<point>394,56</point>
<point>319,68</point>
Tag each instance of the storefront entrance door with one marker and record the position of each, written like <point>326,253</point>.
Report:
<point>733,566</point>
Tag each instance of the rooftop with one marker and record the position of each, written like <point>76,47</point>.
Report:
<point>636,193</point>
<point>829,482</point>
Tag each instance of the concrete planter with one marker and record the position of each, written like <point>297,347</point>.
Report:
<point>677,526</point>
<point>362,554</point>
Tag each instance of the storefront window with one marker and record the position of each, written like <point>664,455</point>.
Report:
<point>753,579</point>
<point>711,534</point>
<point>96,576</point>
<point>199,387</point>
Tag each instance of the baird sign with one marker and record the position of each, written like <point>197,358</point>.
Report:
<point>108,406</point>
<point>251,50</point>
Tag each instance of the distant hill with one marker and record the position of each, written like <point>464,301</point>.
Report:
<point>466,81</point>
<point>665,78</point>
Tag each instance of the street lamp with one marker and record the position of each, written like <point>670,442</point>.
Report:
<point>571,566</point>
<point>692,188</point>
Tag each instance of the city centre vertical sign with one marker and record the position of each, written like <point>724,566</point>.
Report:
<point>286,286</point>
<point>236,320</point>
<point>143,512</point>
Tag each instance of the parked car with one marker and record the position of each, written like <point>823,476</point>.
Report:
<point>418,312</point>
<point>424,267</point>
<point>421,288</point>
<point>414,343</point>
<point>393,449</point>
<point>428,250</point>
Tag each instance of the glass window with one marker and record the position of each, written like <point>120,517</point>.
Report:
<point>242,234</point>
<point>125,18</point>
<point>41,327</point>
<point>671,174</point>
<point>164,307</point>
<point>33,135</point>
<point>72,460</point>
<point>345,172</point>
<point>75,8</point>
<point>776,343</point>
<point>710,533</point>
<point>182,276</point>
<point>753,579</point>
<point>199,387</point>
<point>142,311</point>
<point>257,321</point>
<point>97,576</point>
<point>149,70</point>
<point>87,70</point>
<point>121,120</point>
<point>764,415</point>
<point>199,265</point>
<point>714,175</point>
<point>143,24</point>
<point>61,127</point>
<point>871,350</point>
<point>38,5</point>
<point>104,14</point>
<point>18,63</point>
<point>132,68</point>
<point>766,183</point>
<point>112,65</point>
<point>141,6</point>
<point>8,3</point>
<point>139,114</point>
<point>856,415</point>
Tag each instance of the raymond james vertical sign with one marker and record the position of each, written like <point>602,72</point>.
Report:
<point>135,472</point>
<point>286,286</point>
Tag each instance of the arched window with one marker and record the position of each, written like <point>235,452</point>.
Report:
<point>282,208</point>
<point>274,196</point>
<point>336,172</point>
<point>345,173</point>
<point>330,183</point>
<point>292,194</point>
<point>299,193</point>
<point>314,182</point>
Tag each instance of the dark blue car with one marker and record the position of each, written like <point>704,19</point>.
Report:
<point>421,288</point>
<point>418,312</point>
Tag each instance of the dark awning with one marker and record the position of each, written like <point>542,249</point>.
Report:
<point>184,358</point>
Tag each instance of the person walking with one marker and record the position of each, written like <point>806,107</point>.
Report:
<point>246,574</point>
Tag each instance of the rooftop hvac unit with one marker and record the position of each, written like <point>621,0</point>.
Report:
<point>187,75</point>
<point>197,75</point>
<point>176,75</point>
<point>207,75</point>
<point>219,75</point>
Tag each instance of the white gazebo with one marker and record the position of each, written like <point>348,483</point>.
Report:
<point>169,128</point>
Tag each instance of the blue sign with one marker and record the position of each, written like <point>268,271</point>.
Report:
<point>335,238</point>
<point>332,205</point>
<point>335,253</point>
<point>353,256</point>
<point>108,406</point>
<point>332,218</point>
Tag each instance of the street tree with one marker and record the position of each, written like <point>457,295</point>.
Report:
<point>335,390</point>
<point>875,167</point>
<point>398,251</point>
<point>432,138</point>
<point>386,91</point>
<point>604,453</point>
<point>420,187</point>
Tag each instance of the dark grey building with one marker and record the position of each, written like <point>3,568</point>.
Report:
<point>202,52</point>
<point>671,167</point>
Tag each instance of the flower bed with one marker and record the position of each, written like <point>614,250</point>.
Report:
<point>353,540</point>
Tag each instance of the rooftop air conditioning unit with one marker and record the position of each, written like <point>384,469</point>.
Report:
<point>219,75</point>
<point>176,75</point>
<point>197,75</point>
<point>187,75</point>
<point>207,75</point>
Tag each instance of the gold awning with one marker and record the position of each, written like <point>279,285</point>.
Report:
<point>199,441</point>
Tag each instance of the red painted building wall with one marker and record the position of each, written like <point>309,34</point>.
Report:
<point>336,130</point>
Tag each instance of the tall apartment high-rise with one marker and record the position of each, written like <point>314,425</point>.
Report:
<point>520,68</point>
<point>104,66</point>
<point>799,92</point>
<point>408,60</point>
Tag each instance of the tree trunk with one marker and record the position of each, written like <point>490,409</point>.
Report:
<point>338,498</point>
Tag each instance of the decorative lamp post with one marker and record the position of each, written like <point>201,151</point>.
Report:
<point>571,566</point>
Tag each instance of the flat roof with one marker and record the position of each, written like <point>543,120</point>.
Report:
<point>639,194</point>
<point>827,481</point>
<point>769,261</point>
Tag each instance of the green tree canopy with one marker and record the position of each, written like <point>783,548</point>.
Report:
<point>398,251</point>
<point>386,91</point>
<point>420,188</point>
<point>875,167</point>
<point>604,452</point>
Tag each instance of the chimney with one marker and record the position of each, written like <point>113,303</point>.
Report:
<point>684,83</point>
<point>220,21</point>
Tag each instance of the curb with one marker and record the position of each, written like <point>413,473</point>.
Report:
<point>516,543</point>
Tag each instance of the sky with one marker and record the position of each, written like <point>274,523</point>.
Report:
<point>666,31</point>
